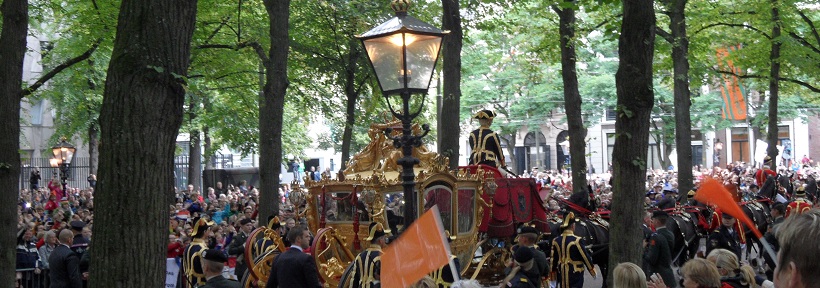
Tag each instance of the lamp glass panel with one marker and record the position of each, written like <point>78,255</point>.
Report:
<point>386,57</point>
<point>69,154</point>
<point>422,53</point>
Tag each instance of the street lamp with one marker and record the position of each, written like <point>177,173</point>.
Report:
<point>403,52</point>
<point>63,153</point>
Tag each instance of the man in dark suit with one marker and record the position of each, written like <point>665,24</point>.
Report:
<point>237,246</point>
<point>213,262</point>
<point>64,264</point>
<point>294,268</point>
<point>726,236</point>
<point>659,255</point>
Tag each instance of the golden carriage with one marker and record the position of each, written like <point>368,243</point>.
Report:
<point>338,211</point>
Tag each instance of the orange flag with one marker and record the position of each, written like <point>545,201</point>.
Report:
<point>419,250</point>
<point>712,192</point>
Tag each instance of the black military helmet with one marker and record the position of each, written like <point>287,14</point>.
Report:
<point>215,255</point>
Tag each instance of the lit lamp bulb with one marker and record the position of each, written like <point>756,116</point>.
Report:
<point>402,39</point>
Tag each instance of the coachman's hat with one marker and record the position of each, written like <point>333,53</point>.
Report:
<point>274,222</point>
<point>484,114</point>
<point>200,226</point>
<point>528,229</point>
<point>375,231</point>
<point>691,193</point>
<point>660,214</point>
<point>568,220</point>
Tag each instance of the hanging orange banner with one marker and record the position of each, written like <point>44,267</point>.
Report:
<point>734,96</point>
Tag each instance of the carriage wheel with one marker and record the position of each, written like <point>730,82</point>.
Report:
<point>493,263</point>
<point>331,255</point>
<point>261,269</point>
<point>260,242</point>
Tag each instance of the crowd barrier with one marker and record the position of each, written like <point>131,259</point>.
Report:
<point>27,278</point>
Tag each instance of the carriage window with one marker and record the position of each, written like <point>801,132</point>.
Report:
<point>394,210</point>
<point>339,207</point>
<point>466,210</point>
<point>440,195</point>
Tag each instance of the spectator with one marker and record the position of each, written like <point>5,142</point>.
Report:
<point>50,242</point>
<point>34,179</point>
<point>730,271</point>
<point>27,259</point>
<point>628,275</point>
<point>797,259</point>
<point>65,264</point>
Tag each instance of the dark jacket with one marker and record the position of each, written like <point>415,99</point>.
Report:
<point>486,148</point>
<point>65,268</point>
<point>221,282</point>
<point>237,248</point>
<point>659,255</point>
<point>293,269</point>
<point>722,238</point>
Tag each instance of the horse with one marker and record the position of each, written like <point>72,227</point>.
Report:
<point>683,223</point>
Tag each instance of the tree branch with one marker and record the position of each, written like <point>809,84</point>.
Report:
<point>253,44</point>
<point>811,24</point>
<point>665,35</point>
<point>754,76</point>
<point>750,27</point>
<point>68,63</point>
<point>803,42</point>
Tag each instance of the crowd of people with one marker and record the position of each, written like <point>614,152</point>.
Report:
<point>55,228</point>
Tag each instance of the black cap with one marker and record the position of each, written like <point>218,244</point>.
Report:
<point>484,114</point>
<point>527,229</point>
<point>523,254</point>
<point>727,216</point>
<point>77,225</point>
<point>214,255</point>
<point>660,214</point>
<point>244,221</point>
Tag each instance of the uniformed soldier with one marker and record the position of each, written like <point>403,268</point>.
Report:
<point>192,258</point>
<point>80,246</point>
<point>237,246</point>
<point>569,256</point>
<point>717,221</point>
<point>670,199</point>
<point>367,265</point>
<point>726,236</point>
<point>527,237</point>
<point>519,276</point>
<point>213,263</point>
<point>766,171</point>
<point>659,249</point>
<point>484,142</point>
<point>444,275</point>
<point>800,204</point>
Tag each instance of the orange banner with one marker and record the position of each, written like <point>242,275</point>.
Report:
<point>419,250</point>
<point>712,192</point>
<point>734,99</point>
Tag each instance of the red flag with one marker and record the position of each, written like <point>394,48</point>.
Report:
<point>734,99</point>
<point>419,250</point>
<point>712,192</point>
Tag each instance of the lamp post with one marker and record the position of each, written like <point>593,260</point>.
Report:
<point>63,154</point>
<point>403,52</point>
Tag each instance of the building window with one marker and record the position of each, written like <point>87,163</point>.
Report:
<point>36,112</point>
<point>610,114</point>
<point>740,145</point>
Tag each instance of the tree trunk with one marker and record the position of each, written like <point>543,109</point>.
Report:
<point>635,99</point>
<point>352,97</point>
<point>139,122</point>
<point>93,148</point>
<point>195,160</point>
<point>774,87</point>
<point>272,104</point>
<point>572,100</point>
<point>450,128</point>
<point>12,51</point>
<point>206,132</point>
<point>683,121</point>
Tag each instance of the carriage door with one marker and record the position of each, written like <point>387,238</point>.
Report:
<point>441,195</point>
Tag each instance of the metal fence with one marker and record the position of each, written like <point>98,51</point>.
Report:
<point>77,173</point>
<point>27,278</point>
<point>80,169</point>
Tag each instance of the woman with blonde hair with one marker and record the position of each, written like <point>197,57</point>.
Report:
<point>700,273</point>
<point>731,272</point>
<point>629,275</point>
